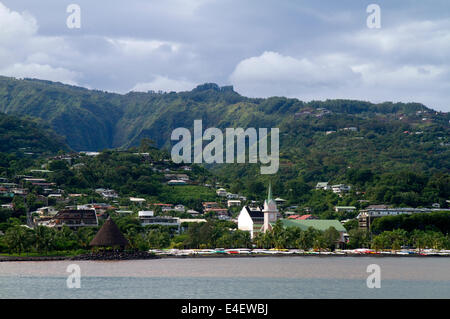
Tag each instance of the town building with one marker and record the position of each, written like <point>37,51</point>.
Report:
<point>255,220</point>
<point>251,220</point>
<point>160,220</point>
<point>366,216</point>
<point>233,202</point>
<point>47,211</point>
<point>340,188</point>
<point>176,182</point>
<point>302,217</point>
<point>319,224</point>
<point>323,186</point>
<point>193,212</point>
<point>107,193</point>
<point>221,192</point>
<point>137,200</point>
<point>146,213</point>
<point>270,211</point>
<point>344,209</point>
<point>74,218</point>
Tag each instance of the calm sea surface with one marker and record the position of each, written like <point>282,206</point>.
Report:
<point>262,277</point>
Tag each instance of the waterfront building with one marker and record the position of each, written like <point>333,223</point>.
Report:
<point>319,224</point>
<point>366,216</point>
<point>250,219</point>
<point>74,218</point>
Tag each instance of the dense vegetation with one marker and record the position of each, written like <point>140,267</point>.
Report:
<point>394,153</point>
<point>214,233</point>
<point>438,222</point>
<point>389,138</point>
<point>22,140</point>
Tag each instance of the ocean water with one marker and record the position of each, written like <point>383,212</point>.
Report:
<point>230,278</point>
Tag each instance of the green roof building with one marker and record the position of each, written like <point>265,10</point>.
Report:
<point>319,224</point>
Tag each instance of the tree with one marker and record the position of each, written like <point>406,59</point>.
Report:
<point>307,238</point>
<point>279,235</point>
<point>319,243</point>
<point>359,238</point>
<point>18,239</point>
<point>379,242</point>
<point>331,236</point>
<point>84,236</point>
<point>44,238</point>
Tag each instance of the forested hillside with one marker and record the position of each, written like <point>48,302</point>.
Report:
<point>333,140</point>
<point>25,135</point>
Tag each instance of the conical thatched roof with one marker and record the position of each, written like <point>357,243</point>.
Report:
<point>109,235</point>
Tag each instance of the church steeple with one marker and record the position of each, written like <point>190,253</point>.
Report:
<point>270,210</point>
<point>269,195</point>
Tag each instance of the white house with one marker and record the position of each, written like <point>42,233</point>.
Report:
<point>251,220</point>
<point>323,185</point>
<point>221,192</point>
<point>340,188</point>
<point>137,200</point>
<point>179,208</point>
<point>193,212</point>
<point>232,196</point>
<point>341,209</point>
<point>47,211</point>
<point>107,193</point>
<point>254,220</point>
<point>146,213</point>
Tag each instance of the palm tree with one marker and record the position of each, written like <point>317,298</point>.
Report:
<point>18,239</point>
<point>43,238</point>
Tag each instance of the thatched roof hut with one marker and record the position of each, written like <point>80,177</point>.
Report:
<point>109,235</point>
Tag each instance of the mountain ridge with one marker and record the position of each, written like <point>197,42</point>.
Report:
<point>93,119</point>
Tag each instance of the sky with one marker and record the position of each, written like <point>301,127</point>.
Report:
<point>311,50</point>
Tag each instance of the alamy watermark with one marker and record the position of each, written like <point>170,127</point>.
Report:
<point>234,152</point>
<point>74,279</point>
<point>74,19</point>
<point>374,279</point>
<point>374,19</point>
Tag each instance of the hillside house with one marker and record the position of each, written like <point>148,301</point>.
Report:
<point>323,186</point>
<point>344,209</point>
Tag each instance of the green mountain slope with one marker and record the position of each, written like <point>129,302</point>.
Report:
<point>386,137</point>
<point>22,135</point>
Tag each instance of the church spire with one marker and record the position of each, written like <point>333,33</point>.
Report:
<point>270,210</point>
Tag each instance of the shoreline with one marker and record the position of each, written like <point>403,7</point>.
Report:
<point>83,258</point>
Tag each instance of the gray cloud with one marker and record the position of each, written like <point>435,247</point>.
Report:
<point>304,49</point>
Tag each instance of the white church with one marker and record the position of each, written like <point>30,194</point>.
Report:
<point>254,220</point>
